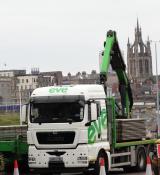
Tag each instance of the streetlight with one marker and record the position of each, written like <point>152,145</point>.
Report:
<point>158,118</point>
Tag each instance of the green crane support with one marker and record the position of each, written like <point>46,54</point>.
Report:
<point>112,55</point>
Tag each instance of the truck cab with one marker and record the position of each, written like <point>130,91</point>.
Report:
<point>67,128</point>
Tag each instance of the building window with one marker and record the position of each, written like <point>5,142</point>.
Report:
<point>146,66</point>
<point>131,67</point>
<point>140,67</point>
<point>33,80</point>
<point>139,50</point>
<point>22,80</point>
<point>26,80</point>
<point>134,67</point>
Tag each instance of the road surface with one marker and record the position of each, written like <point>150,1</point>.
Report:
<point>135,173</point>
<point>113,173</point>
<point>121,173</point>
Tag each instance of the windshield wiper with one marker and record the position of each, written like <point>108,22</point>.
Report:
<point>69,120</point>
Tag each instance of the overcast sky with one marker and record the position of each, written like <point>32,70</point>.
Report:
<point>67,35</point>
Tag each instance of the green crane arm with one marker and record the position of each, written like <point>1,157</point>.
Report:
<point>112,55</point>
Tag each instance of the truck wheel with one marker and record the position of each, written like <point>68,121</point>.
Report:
<point>154,164</point>
<point>97,163</point>
<point>155,170</point>
<point>2,163</point>
<point>141,160</point>
<point>23,164</point>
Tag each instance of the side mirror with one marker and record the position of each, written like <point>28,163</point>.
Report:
<point>93,111</point>
<point>23,114</point>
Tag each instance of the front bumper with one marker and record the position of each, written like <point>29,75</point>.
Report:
<point>57,170</point>
<point>58,159</point>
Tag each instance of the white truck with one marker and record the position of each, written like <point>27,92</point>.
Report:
<point>60,134</point>
<point>71,127</point>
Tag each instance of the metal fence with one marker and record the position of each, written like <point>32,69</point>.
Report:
<point>10,108</point>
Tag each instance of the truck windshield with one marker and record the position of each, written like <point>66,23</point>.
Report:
<point>56,112</point>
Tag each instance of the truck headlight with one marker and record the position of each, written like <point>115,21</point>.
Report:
<point>31,159</point>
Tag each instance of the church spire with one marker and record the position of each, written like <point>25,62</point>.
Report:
<point>139,57</point>
<point>137,24</point>
<point>128,41</point>
<point>128,44</point>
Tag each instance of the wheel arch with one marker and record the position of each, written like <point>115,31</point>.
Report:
<point>107,154</point>
<point>138,148</point>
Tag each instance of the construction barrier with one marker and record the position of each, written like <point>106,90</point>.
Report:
<point>16,170</point>
<point>148,168</point>
<point>102,166</point>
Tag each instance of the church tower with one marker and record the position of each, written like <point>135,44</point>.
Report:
<point>139,59</point>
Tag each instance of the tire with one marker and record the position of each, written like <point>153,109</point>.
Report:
<point>23,165</point>
<point>9,159</point>
<point>103,155</point>
<point>154,165</point>
<point>49,174</point>
<point>128,169</point>
<point>2,162</point>
<point>155,170</point>
<point>141,160</point>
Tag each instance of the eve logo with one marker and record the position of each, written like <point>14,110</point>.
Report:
<point>97,127</point>
<point>58,90</point>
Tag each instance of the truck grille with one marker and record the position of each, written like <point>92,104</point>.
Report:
<point>55,137</point>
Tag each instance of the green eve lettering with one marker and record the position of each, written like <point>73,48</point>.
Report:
<point>58,90</point>
<point>97,127</point>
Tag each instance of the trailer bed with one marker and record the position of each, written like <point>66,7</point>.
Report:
<point>13,139</point>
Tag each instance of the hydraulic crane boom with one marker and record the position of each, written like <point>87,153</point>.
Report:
<point>112,55</point>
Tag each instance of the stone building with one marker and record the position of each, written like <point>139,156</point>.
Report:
<point>8,85</point>
<point>12,72</point>
<point>16,84</point>
<point>50,78</point>
<point>81,78</point>
<point>5,90</point>
<point>27,83</point>
<point>139,59</point>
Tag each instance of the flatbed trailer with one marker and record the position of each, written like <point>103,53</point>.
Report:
<point>13,145</point>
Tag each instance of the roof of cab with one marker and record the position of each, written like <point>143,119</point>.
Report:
<point>89,91</point>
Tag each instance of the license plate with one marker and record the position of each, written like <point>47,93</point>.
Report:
<point>56,159</point>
